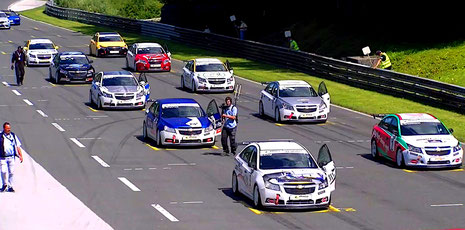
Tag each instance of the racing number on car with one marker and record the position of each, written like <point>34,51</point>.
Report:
<point>392,141</point>
<point>332,176</point>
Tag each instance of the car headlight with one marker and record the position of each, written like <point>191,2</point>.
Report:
<point>140,94</point>
<point>33,55</point>
<point>63,71</point>
<point>141,61</point>
<point>231,79</point>
<point>202,80</point>
<point>271,186</point>
<point>168,129</point>
<point>323,185</point>
<point>209,128</point>
<point>322,106</point>
<point>105,94</point>
<point>287,106</point>
<point>458,147</point>
<point>414,149</point>
<point>166,61</point>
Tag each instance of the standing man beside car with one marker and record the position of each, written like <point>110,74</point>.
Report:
<point>229,127</point>
<point>18,61</point>
<point>10,148</point>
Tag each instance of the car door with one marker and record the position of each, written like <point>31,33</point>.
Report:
<point>274,98</point>
<point>54,66</point>
<point>229,67</point>
<point>252,170</point>
<point>243,180</point>
<point>323,93</point>
<point>393,134</point>
<point>186,74</point>
<point>214,116</point>
<point>144,82</point>
<point>384,136</point>
<point>266,97</point>
<point>325,161</point>
<point>152,119</point>
<point>131,56</point>
<point>96,86</point>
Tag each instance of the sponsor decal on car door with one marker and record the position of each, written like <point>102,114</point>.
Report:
<point>214,116</point>
<point>325,161</point>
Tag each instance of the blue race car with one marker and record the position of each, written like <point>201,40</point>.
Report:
<point>182,121</point>
<point>13,17</point>
<point>71,66</point>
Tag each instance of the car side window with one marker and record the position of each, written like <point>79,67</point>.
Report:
<point>156,109</point>
<point>269,88</point>
<point>98,77</point>
<point>393,127</point>
<point>56,59</point>
<point>385,123</point>
<point>246,153</point>
<point>275,90</point>
<point>253,158</point>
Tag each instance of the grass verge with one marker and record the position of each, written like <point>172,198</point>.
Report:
<point>343,95</point>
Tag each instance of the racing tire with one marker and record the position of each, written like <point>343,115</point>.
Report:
<point>261,113</point>
<point>127,64</point>
<point>234,184</point>
<point>277,116</point>
<point>374,149</point>
<point>194,88</point>
<point>91,102</point>
<point>159,143</point>
<point>144,132</point>
<point>182,83</point>
<point>56,80</point>
<point>400,159</point>
<point>257,201</point>
<point>99,104</point>
<point>50,77</point>
<point>90,51</point>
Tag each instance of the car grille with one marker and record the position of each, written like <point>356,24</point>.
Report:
<point>79,74</point>
<point>190,132</point>
<point>114,48</point>
<point>155,61</point>
<point>124,97</point>
<point>306,109</point>
<point>438,162</point>
<point>216,81</point>
<point>44,56</point>
<point>300,202</point>
<point>296,191</point>
<point>434,151</point>
<point>190,141</point>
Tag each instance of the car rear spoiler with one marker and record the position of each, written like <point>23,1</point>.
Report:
<point>271,140</point>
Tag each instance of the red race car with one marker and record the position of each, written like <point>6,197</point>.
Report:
<point>148,57</point>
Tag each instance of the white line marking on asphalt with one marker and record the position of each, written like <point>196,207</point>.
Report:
<point>42,100</point>
<point>181,164</point>
<point>445,205</point>
<point>103,163</point>
<point>129,184</point>
<point>58,127</point>
<point>167,168</point>
<point>89,138</point>
<point>127,169</point>
<point>165,213</point>
<point>16,92</point>
<point>6,84</point>
<point>349,167</point>
<point>152,168</point>
<point>41,113</point>
<point>138,169</point>
<point>351,141</point>
<point>97,116</point>
<point>27,101</point>
<point>77,142</point>
<point>193,202</point>
<point>173,202</point>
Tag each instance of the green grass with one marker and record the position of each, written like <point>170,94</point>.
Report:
<point>343,95</point>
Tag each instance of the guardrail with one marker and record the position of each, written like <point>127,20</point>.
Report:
<point>399,84</point>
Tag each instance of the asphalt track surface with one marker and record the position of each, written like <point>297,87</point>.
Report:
<point>194,184</point>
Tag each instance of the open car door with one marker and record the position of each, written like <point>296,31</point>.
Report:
<point>165,47</point>
<point>145,84</point>
<point>323,93</point>
<point>228,66</point>
<point>325,161</point>
<point>214,116</point>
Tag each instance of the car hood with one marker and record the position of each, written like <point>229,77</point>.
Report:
<point>3,19</point>
<point>187,122</point>
<point>224,74</point>
<point>431,140</point>
<point>282,176</point>
<point>76,67</point>
<point>152,56</point>
<point>302,100</point>
<point>106,44</point>
<point>122,89</point>
<point>43,51</point>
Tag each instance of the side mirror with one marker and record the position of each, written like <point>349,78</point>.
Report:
<point>56,47</point>
<point>231,71</point>
<point>97,83</point>
<point>395,132</point>
<point>142,83</point>
<point>169,54</point>
<point>146,111</point>
<point>451,130</point>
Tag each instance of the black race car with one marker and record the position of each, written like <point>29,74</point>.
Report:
<point>71,67</point>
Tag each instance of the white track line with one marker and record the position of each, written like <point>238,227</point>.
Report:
<point>27,101</point>
<point>445,205</point>
<point>16,92</point>
<point>42,113</point>
<point>181,164</point>
<point>192,202</point>
<point>77,142</point>
<point>58,127</point>
<point>165,213</point>
<point>129,184</point>
<point>103,163</point>
<point>6,84</point>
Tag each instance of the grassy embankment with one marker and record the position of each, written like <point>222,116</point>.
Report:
<point>343,95</point>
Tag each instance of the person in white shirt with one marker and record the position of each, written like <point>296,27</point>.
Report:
<point>10,149</point>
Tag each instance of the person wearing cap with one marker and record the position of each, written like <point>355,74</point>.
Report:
<point>229,127</point>
<point>10,148</point>
<point>18,61</point>
<point>383,62</point>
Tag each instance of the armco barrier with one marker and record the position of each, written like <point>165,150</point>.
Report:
<point>403,85</point>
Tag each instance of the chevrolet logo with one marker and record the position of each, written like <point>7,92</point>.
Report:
<point>300,186</point>
<point>438,149</point>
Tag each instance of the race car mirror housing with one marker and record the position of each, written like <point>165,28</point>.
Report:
<point>451,130</point>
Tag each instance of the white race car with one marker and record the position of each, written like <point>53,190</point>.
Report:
<point>4,21</point>
<point>284,175</point>
<point>117,89</point>
<point>207,74</point>
<point>40,51</point>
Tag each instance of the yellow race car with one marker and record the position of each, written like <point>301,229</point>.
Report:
<point>107,44</point>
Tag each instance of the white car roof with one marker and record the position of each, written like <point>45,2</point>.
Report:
<point>146,44</point>
<point>40,40</point>
<point>406,118</point>
<point>293,83</point>
<point>204,61</point>
<point>280,147</point>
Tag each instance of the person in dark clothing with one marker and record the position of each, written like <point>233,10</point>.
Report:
<point>18,61</point>
<point>229,127</point>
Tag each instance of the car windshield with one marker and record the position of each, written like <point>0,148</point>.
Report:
<point>181,111</point>
<point>119,81</point>
<point>286,161</point>
<point>74,60</point>
<point>150,50</point>
<point>297,92</point>
<point>423,128</point>
<point>110,39</point>
<point>210,67</point>
<point>3,15</point>
<point>11,13</point>
<point>41,46</point>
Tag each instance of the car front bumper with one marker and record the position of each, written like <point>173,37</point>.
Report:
<point>292,115</point>
<point>76,76</point>
<point>112,51</point>
<point>225,87</point>
<point>15,21</point>
<point>39,61</point>
<point>453,159</point>
<point>316,199</point>
<point>5,25</point>
<point>170,138</point>
<point>137,102</point>
<point>153,66</point>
